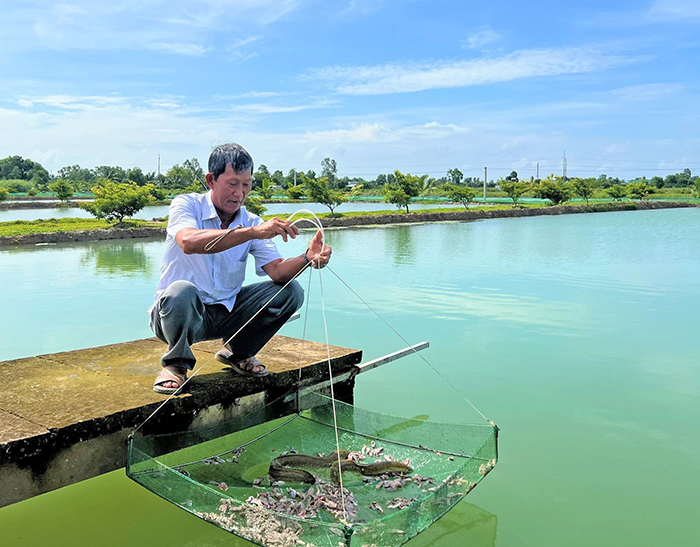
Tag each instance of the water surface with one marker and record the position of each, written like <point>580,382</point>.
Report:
<point>576,334</point>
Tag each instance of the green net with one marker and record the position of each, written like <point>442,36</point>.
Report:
<point>220,473</point>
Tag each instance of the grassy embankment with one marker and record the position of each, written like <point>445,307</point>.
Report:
<point>22,227</point>
<point>42,226</point>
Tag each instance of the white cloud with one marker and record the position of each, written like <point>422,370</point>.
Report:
<point>193,50</point>
<point>103,24</point>
<point>270,108</point>
<point>672,10</point>
<point>359,8</point>
<point>410,77</point>
<point>646,92</point>
<point>480,38</point>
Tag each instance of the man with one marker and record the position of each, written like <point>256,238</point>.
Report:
<point>200,294</point>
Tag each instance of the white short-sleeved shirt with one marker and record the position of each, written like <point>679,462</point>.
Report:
<point>218,276</point>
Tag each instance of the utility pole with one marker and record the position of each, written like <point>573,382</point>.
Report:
<point>486,171</point>
<point>564,172</point>
<point>538,171</point>
<point>158,165</point>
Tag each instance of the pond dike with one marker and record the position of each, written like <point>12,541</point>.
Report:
<point>65,417</point>
<point>369,220</point>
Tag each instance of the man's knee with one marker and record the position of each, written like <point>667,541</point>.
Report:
<point>294,294</point>
<point>178,297</point>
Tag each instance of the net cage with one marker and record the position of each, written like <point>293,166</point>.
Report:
<point>220,472</point>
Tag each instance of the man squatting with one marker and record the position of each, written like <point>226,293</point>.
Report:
<point>201,295</point>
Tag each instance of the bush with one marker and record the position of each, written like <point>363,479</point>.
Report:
<point>461,194</point>
<point>553,189</point>
<point>15,186</point>
<point>157,194</point>
<point>114,201</point>
<point>295,192</point>
<point>254,205</point>
<point>514,189</point>
<point>584,188</point>
<point>4,193</point>
<point>640,190</point>
<point>62,189</point>
<point>617,192</point>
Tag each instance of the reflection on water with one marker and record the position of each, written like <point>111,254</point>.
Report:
<point>465,524</point>
<point>399,243</point>
<point>117,258</point>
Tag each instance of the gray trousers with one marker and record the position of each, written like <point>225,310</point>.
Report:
<point>180,319</point>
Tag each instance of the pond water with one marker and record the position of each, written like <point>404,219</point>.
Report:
<point>576,334</point>
<point>159,211</point>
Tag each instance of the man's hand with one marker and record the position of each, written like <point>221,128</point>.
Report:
<point>318,253</point>
<point>275,227</point>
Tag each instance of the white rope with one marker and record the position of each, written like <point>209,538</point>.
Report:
<point>414,350</point>
<point>330,374</point>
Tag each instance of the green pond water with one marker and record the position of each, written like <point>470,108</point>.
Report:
<point>576,334</point>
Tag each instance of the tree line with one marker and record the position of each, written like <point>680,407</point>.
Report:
<point>136,187</point>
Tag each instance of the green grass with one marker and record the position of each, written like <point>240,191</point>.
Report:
<point>41,226</point>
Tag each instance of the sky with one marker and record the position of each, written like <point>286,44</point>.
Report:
<point>420,86</point>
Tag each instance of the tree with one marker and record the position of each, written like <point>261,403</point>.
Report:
<point>136,175</point>
<point>278,179</point>
<point>295,192</point>
<point>267,190</point>
<point>657,181</point>
<point>320,191</point>
<point>329,169</point>
<point>116,174</point>
<point>179,177</point>
<point>513,177</point>
<point>425,184</point>
<point>617,192</point>
<point>4,193</point>
<point>254,205</point>
<point>640,190</point>
<point>553,188</point>
<point>114,201</point>
<point>454,176</point>
<point>195,169</point>
<point>584,188</point>
<point>394,194</point>
<point>158,194</point>
<point>81,178</point>
<point>62,189</point>
<point>400,188</point>
<point>17,167</point>
<point>695,189</point>
<point>260,175</point>
<point>461,194</point>
<point>514,189</point>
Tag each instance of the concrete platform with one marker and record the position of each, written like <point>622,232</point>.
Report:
<point>64,417</point>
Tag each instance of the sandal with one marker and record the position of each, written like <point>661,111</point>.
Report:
<point>243,367</point>
<point>168,375</point>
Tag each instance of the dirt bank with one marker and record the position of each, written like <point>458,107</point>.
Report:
<point>472,214</point>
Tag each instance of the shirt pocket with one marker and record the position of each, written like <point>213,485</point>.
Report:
<point>233,266</point>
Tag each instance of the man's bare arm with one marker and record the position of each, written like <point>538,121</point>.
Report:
<point>194,241</point>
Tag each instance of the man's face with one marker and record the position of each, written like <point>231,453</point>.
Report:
<point>228,192</point>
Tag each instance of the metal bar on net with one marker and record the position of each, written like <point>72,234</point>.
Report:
<point>364,367</point>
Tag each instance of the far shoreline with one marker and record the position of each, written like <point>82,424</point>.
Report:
<point>139,232</point>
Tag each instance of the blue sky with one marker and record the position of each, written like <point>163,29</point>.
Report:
<point>421,86</point>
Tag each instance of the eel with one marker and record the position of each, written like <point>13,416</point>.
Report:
<point>284,468</point>
<point>368,469</point>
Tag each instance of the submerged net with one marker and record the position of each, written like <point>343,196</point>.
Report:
<point>220,473</point>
